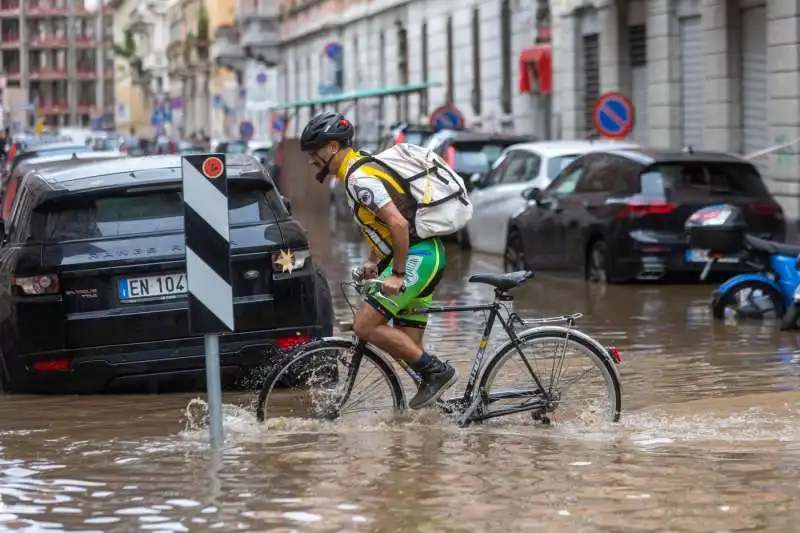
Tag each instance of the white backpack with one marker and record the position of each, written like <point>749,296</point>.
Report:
<point>443,206</point>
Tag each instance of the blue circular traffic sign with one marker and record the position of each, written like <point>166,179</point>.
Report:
<point>246,129</point>
<point>613,115</point>
<point>278,122</point>
<point>448,117</point>
<point>261,78</point>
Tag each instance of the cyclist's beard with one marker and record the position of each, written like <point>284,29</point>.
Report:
<point>324,171</point>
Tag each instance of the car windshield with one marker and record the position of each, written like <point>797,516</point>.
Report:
<point>39,152</point>
<point>556,164</point>
<point>233,147</point>
<point>126,213</point>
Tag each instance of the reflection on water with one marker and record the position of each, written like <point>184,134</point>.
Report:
<point>708,440</point>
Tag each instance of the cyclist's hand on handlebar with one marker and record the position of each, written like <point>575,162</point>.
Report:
<point>392,285</point>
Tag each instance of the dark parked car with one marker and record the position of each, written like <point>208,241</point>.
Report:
<point>470,152</point>
<point>92,280</point>
<point>619,215</point>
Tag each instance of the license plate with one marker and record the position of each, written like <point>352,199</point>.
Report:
<point>162,286</point>
<point>702,256</point>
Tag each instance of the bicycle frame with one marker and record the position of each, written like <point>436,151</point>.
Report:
<point>465,405</point>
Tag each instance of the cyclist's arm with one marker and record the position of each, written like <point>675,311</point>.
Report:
<point>398,229</point>
<point>370,193</point>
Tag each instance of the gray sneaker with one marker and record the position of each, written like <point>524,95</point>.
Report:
<point>433,385</point>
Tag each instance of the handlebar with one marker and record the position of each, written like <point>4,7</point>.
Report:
<point>362,285</point>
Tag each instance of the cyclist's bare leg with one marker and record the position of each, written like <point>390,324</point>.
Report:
<point>371,325</point>
<point>437,376</point>
<point>414,333</point>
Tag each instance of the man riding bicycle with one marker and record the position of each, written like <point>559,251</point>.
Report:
<point>409,268</point>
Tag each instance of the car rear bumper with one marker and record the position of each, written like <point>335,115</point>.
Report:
<point>151,366</point>
<point>645,261</point>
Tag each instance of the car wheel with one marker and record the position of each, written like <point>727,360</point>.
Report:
<point>596,262</point>
<point>514,254</point>
<point>462,238</point>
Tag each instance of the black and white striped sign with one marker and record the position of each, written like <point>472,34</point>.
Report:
<point>208,246</point>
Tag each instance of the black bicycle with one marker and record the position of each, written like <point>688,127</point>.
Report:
<point>324,377</point>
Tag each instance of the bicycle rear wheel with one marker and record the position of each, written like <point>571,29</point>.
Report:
<point>549,354</point>
<point>319,380</point>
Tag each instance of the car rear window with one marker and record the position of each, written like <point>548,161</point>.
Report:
<point>235,147</point>
<point>707,179</point>
<point>135,213</point>
<point>478,156</point>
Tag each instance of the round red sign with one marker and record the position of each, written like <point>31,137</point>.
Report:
<point>213,167</point>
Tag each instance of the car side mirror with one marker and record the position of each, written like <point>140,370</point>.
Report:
<point>533,194</point>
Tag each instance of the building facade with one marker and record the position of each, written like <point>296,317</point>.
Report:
<point>55,51</point>
<point>713,74</point>
<point>471,50</point>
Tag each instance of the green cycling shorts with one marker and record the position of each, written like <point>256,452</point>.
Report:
<point>424,268</point>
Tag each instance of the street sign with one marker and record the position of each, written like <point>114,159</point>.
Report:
<point>261,78</point>
<point>613,115</point>
<point>208,268</point>
<point>278,122</point>
<point>448,117</point>
<point>246,130</point>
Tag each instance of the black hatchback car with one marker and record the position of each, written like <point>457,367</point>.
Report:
<point>619,215</point>
<point>92,283</point>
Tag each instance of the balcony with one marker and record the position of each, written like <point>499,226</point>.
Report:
<point>266,10</point>
<point>226,51</point>
<point>10,41</point>
<point>49,74</point>
<point>261,40</point>
<point>85,41</point>
<point>48,42</point>
<point>12,73</point>
<point>86,74</point>
<point>9,10</point>
<point>39,11</point>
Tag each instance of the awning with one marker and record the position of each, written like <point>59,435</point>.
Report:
<point>358,95</point>
<point>536,62</point>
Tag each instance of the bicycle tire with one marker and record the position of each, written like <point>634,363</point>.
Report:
<point>276,372</point>
<point>561,334</point>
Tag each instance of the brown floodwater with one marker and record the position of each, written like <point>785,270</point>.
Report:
<point>708,440</point>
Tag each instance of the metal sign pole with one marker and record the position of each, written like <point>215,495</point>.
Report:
<point>208,269</point>
<point>214,390</point>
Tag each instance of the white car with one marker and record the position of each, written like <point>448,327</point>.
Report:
<point>498,194</point>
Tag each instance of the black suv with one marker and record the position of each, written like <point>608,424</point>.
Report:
<point>92,284</point>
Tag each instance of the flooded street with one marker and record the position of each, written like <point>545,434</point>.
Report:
<point>708,441</point>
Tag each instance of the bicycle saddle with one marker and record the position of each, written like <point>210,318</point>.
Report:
<point>503,281</point>
<point>772,247</point>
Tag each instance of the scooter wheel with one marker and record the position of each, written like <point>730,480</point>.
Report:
<point>722,301</point>
<point>790,318</point>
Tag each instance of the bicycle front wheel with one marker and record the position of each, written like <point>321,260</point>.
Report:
<point>555,375</point>
<point>329,379</point>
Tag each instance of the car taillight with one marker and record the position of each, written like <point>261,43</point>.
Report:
<point>400,137</point>
<point>614,353</point>
<point>767,208</point>
<point>51,365</point>
<point>284,343</point>
<point>450,156</point>
<point>33,285</point>
<point>651,208</point>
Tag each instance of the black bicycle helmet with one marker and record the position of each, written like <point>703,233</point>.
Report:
<point>326,127</point>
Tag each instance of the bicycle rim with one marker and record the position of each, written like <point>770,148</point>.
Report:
<point>312,384</point>
<point>579,381</point>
